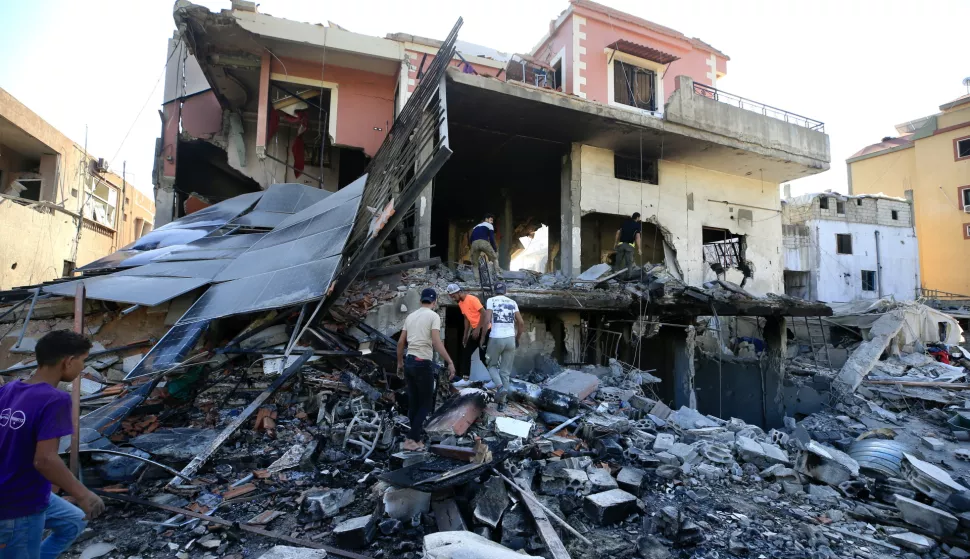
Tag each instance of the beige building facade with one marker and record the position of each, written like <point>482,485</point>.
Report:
<point>59,207</point>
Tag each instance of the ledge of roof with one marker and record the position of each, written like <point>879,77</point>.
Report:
<point>962,100</point>
<point>881,148</point>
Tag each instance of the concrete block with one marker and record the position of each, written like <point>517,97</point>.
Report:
<point>567,481</point>
<point>916,542</point>
<point>562,443</point>
<point>577,383</point>
<point>933,443</point>
<point>684,452</point>
<point>630,480</point>
<point>660,410</point>
<point>929,518</point>
<point>664,442</point>
<point>289,552</point>
<point>609,507</point>
<point>928,479</point>
<point>356,533</point>
<point>491,502</point>
<point>465,545</point>
<point>600,480</point>
<point>643,404</point>
<point>823,493</point>
<point>328,502</point>
<point>668,459</point>
<point>403,503</point>
<point>826,464</point>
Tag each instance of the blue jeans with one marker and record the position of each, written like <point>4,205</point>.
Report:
<point>21,538</point>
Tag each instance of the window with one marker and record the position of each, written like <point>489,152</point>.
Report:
<point>100,201</point>
<point>965,196</point>
<point>723,250</point>
<point>868,280</point>
<point>895,215</point>
<point>68,270</point>
<point>966,231</point>
<point>843,244</point>
<point>858,202</point>
<point>839,207</point>
<point>635,169</point>
<point>634,86</point>
<point>823,203</point>
<point>961,147</point>
<point>557,75</point>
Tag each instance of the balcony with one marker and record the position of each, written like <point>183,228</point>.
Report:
<point>706,109</point>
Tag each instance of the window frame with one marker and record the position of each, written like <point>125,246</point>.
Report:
<point>651,172</point>
<point>966,231</point>
<point>614,56</point>
<point>838,243</point>
<point>956,148</point>
<point>894,214</point>
<point>872,280</point>
<point>93,200</point>
<point>823,202</point>
<point>840,207</point>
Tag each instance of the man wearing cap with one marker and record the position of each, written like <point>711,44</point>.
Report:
<point>422,336</point>
<point>472,310</point>
<point>507,327</point>
<point>627,237</point>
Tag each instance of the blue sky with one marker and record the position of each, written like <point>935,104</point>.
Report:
<point>860,66</point>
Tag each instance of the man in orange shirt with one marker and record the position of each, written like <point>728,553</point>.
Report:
<point>472,310</point>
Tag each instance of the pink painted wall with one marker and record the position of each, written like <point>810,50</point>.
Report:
<point>202,115</point>
<point>601,32</point>
<point>170,132</point>
<point>365,101</point>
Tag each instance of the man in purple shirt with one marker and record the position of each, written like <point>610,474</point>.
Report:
<point>34,415</point>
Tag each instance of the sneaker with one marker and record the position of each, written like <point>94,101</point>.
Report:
<point>501,407</point>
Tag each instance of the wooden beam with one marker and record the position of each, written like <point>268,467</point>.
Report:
<point>76,386</point>
<point>192,467</point>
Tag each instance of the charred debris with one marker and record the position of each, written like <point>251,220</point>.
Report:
<point>242,401</point>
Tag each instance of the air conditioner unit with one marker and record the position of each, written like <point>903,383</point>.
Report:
<point>966,208</point>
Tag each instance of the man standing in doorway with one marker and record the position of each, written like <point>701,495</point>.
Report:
<point>472,311</point>
<point>422,337</point>
<point>507,327</point>
<point>628,237</point>
<point>34,415</point>
<point>483,243</point>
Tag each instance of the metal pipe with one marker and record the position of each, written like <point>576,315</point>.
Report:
<point>878,266</point>
<point>130,310</point>
<point>30,312</point>
<point>135,456</point>
<point>13,308</point>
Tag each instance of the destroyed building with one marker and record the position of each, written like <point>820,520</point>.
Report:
<point>243,401</point>
<point>60,207</point>
<point>844,248</point>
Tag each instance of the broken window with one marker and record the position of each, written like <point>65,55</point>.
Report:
<point>895,215</point>
<point>965,194</point>
<point>100,201</point>
<point>557,76</point>
<point>634,86</point>
<point>868,280</point>
<point>796,284</point>
<point>963,148</point>
<point>839,207</point>
<point>858,202</point>
<point>723,250</point>
<point>28,189</point>
<point>635,169</point>
<point>843,243</point>
<point>823,203</point>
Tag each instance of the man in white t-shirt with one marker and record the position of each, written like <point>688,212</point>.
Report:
<point>507,327</point>
<point>422,336</point>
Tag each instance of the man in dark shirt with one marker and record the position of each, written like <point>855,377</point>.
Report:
<point>483,243</point>
<point>34,415</point>
<point>628,237</point>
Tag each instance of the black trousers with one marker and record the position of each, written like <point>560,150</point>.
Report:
<point>419,375</point>
<point>465,365</point>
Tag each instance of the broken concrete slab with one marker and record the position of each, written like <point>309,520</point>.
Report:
<point>929,518</point>
<point>661,411</point>
<point>447,515</point>
<point>864,358</point>
<point>131,362</point>
<point>513,427</point>
<point>356,533</point>
<point>826,464</point>
<point>457,415</point>
<point>573,382</point>
<point>929,479</point>
<point>466,545</point>
<point>567,481</point>
<point>403,503</point>
<point>609,507</point>
<point>684,452</point>
<point>916,542</point>
<point>289,552</point>
<point>600,480</point>
<point>664,442</point>
<point>491,502</point>
<point>689,418</point>
<point>594,272</point>
<point>326,503</point>
<point>933,443</point>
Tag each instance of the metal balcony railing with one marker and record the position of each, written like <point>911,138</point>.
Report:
<point>754,106</point>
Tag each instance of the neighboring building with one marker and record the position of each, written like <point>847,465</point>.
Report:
<point>44,177</point>
<point>928,163</point>
<point>843,248</point>
<point>610,114</point>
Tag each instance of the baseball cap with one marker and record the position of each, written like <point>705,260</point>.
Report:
<point>452,288</point>
<point>499,288</point>
<point>428,295</point>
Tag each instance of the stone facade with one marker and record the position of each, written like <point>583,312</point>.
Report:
<point>855,209</point>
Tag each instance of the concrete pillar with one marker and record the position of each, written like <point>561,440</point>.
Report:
<point>453,239</point>
<point>506,225</point>
<point>422,222</point>
<point>682,345</point>
<point>262,107</point>
<point>776,348</point>
<point>165,201</point>
<point>570,228</point>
